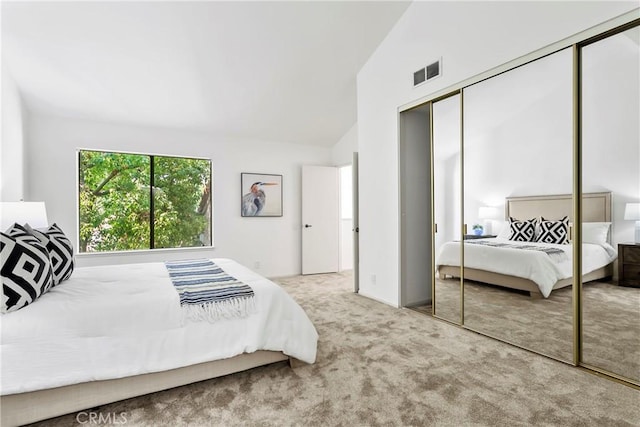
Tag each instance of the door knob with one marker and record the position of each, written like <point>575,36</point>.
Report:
<point>307,226</point>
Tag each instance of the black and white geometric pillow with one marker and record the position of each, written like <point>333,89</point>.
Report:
<point>26,270</point>
<point>556,232</point>
<point>522,231</point>
<point>60,250</point>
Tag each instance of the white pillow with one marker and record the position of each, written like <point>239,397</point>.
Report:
<point>505,231</point>
<point>595,232</point>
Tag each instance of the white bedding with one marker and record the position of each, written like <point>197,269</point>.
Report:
<point>117,321</point>
<point>536,266</point>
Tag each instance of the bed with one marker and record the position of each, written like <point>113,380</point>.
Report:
<point>533,271</point>
<point>115,332</point>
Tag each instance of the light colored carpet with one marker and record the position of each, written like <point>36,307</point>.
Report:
<point>611,320</point>
<point>381,366</point>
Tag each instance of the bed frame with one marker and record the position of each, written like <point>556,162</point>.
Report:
<point>24,408</point>
<point>596,207</point>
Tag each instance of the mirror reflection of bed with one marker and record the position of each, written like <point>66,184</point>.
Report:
<point>525,296</point>
<point>537,264</point>
<point>518,142</point>
<point>514,133</point>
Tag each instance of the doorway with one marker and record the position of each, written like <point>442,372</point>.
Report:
<point>346,217</point>
<point>415,207</point>
<point>329,220</point>
<point>320,219</point>
<point>349,224</point>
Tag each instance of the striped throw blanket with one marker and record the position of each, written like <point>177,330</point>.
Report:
<point>557,255</point>
<point>207,292</point>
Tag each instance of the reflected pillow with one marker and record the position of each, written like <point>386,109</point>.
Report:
<point>522,231</point>
<point>595,232</point>
<point>556,232</point>
<point>505,230</point>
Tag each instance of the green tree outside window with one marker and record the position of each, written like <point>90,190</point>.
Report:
<point>136,201</point>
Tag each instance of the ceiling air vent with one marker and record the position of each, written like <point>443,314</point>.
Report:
<point>429,72</point>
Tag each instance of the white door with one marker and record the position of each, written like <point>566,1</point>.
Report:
<point>320,219</point>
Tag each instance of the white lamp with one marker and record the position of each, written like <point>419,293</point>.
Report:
<point>632,213</point>
<point>487,213</point>
<point>32,213</point>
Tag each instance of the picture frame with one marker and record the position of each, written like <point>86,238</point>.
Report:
<point>261,195</point>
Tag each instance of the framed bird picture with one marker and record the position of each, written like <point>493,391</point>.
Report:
<point>261,194</point>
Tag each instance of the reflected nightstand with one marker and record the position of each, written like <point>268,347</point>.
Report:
<point>629,264</point>
<point>474,236</point>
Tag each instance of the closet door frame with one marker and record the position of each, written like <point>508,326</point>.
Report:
<point>433,207</point>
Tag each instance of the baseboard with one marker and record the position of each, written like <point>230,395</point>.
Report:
<point>365,294</point>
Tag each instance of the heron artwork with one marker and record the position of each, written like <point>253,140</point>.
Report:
<point>253,202</point>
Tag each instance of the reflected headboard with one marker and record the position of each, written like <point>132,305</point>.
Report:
<point>596,207</point>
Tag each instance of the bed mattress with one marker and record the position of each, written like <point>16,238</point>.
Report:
<point>117,321</point>
<point>536,266</point>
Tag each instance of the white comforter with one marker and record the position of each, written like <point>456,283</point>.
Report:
<point>117,321</point>
<point>536,266</point>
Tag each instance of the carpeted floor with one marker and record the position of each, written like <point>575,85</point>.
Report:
<point>383,366</point>
<point>611,320</point>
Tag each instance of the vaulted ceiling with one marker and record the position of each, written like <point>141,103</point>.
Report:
<point>282,71</point>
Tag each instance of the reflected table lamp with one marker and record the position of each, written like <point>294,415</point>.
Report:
<point>488,213</point>
<point>632,213</point>
<point>32,213</point>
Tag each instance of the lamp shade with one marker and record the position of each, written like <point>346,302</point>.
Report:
<point>632,211</point>
<point>487,212</point>
<point>32,213</point>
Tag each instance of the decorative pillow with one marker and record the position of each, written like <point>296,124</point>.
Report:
<point>595,232</point>
<point>556,232</point>
<point>522,231</point>
<point>60,250</point>
<point>26,269</point>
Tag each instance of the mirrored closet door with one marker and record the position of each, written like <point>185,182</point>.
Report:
<point>610,101</point>
<point>535,202</point>
<point>447,191</point>
<point>518,157</point>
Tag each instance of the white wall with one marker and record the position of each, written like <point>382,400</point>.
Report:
<point>273,242</point>
<point>471,37</point>
<point>12,144</point>
<point>342,151</point>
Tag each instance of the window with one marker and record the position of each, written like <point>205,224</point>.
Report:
<point>137,201</point>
